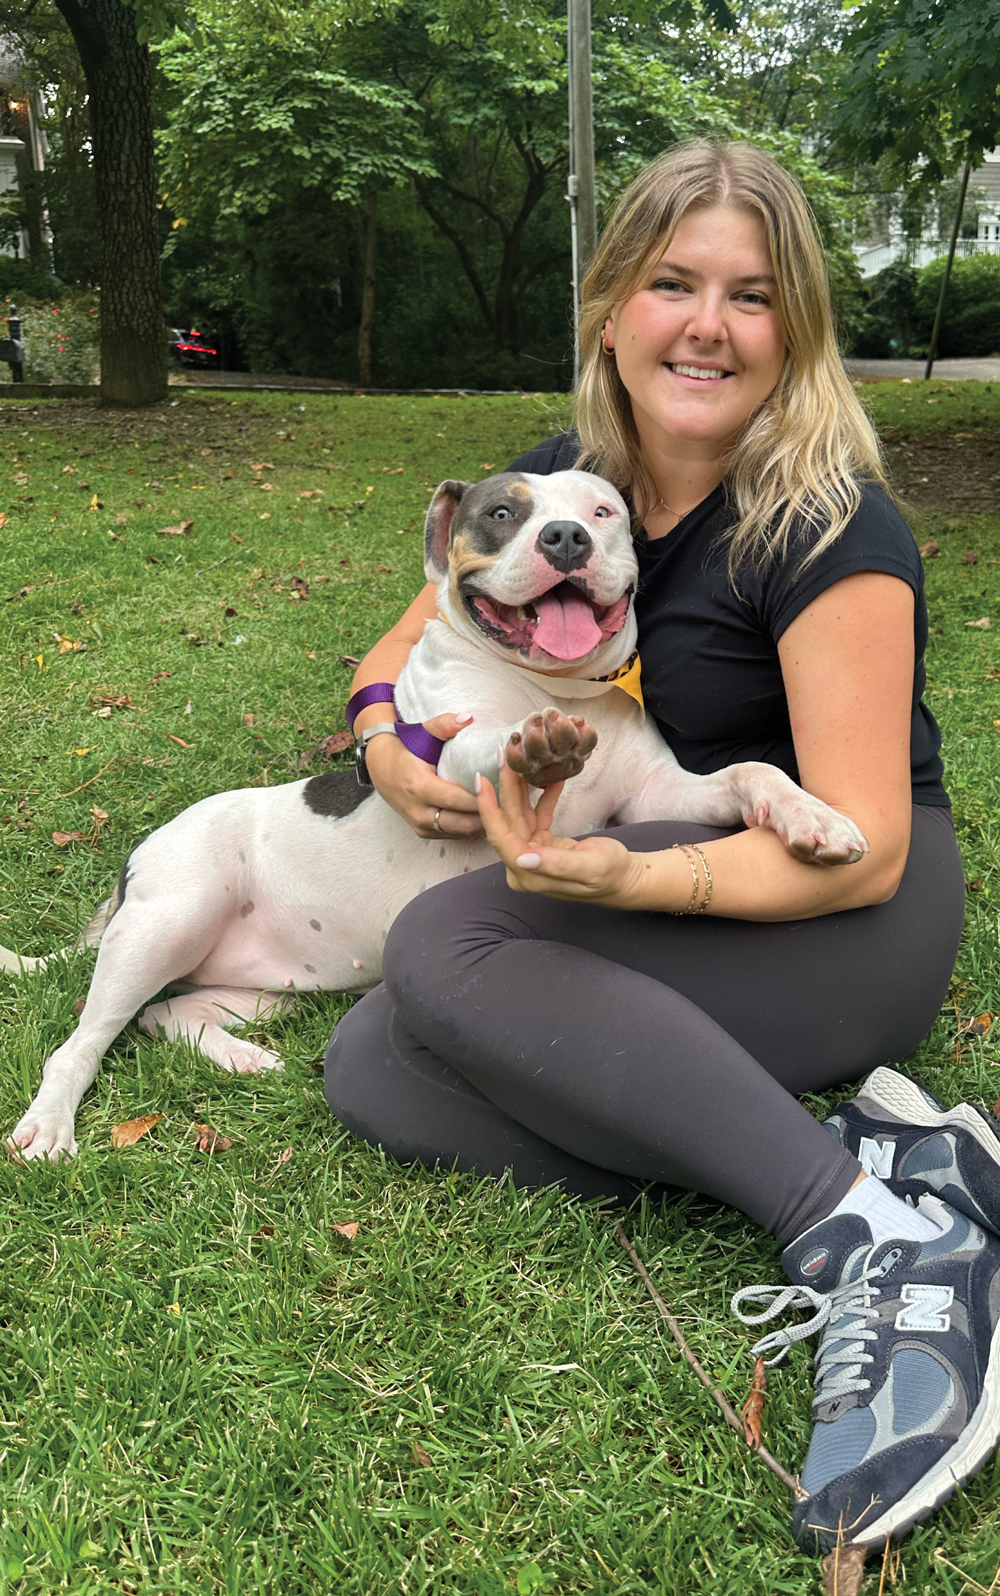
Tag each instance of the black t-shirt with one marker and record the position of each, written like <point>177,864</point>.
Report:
<point>711,675</point>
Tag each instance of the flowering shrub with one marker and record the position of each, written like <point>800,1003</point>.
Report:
<point>62,340</point>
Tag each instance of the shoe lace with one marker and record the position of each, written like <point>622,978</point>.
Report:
<point>843,1314</point>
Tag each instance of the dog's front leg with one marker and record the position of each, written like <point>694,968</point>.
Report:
<point>549,746</point>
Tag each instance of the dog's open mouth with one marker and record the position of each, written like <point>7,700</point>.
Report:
<point>563,622</point>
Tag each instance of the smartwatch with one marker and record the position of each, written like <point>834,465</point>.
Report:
<point>381,728</point>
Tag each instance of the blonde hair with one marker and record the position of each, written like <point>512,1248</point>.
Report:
<point>801,455</point>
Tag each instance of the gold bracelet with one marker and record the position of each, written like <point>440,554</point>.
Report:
<point>688,853</point>
<point>708,880</point>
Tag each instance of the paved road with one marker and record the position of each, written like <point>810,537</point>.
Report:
<point>984,368</point>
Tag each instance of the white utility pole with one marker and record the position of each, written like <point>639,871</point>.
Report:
<point>580,189</point>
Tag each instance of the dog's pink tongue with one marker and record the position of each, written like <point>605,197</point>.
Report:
<point>566,626</point>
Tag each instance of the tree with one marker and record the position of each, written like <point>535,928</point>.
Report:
<point>119,88</point>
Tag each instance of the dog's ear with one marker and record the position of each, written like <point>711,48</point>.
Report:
<point>437,528</point>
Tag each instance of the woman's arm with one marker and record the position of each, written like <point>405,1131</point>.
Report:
<point>847,663</point>
<point>412,787</point>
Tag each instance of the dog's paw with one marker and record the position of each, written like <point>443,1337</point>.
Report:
<point>812,831</point>
<point>42,1135</point>
<point>550,747</point>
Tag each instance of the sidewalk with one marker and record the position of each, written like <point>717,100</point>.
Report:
<point>981,368</point>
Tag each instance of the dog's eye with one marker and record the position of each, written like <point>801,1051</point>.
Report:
<point>603,510</point>
<point>501,513</point>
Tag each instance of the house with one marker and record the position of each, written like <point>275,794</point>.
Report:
<point>22,150</point>
<point>874,257</point>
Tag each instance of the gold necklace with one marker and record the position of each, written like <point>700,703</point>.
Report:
<point>667,507</point>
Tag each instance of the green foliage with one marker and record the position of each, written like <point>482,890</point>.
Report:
<point>891,324</point>
<point>62,340</point>
<point>971,323</point>
<point>922,84</point>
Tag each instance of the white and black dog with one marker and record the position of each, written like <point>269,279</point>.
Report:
<point>252,895</point>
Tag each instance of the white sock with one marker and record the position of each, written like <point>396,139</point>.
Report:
<point>888,1217</point>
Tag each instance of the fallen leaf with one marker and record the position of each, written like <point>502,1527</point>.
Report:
<point>208,1140</point>
<point>265,487</point>
<point>81,751</point>
<point>103,714</point>
<point>349,660</point>
<point>489,465</point>
<point>132,1130</point>
<point>22,592</point>
<point>929,550</point>
<point>266,1230</point>
<point>227,476</point>
<point>970,557</point>
<point>752,1411</point>
<point>67,645</point>
<point>61,838</point>
<point>265,517</point>
<point>114,700</point>
<point>99,817</point>
<point>349,1230</point>
<point>95,503</point>
<point>172,1307</point>
<point>79,1004</point>
<point>977,1027</point>
<point>311,653</point>
<point>282,1159</point>
<point>229,612</point>
<point>982,625</point>
<point>975,885</point>
<point>181,530</point>
<point>234,538</point>
<point>151,559</point>
<point>844,1570</point>
<point>206,451</point>
<point>249,719</point>
<point>420,1457</point>
<point>161,676</point>
<point>337,743</point>
<point>68,471</point>
<point>178,740</point>
<point>312,493</point>
<point>301,586</point>
<point>121,520</point>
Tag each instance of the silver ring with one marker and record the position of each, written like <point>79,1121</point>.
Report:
<point>437,822</point>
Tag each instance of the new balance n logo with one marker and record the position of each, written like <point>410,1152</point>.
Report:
<point>876,1157</point>
<point>926,1308</point>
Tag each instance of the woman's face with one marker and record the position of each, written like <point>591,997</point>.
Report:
<point>701,343</point>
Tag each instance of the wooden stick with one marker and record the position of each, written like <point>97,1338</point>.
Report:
<point>728,1412</point>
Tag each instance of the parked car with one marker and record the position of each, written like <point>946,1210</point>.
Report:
<point>189,347</point>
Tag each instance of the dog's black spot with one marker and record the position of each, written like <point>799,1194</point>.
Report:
<point>247,908</point>
<point>315,925</point>
<point>121,885</point>
<point>336,793</point>
<point>311,968</point>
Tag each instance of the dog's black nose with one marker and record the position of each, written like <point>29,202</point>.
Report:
<point>565,544</point>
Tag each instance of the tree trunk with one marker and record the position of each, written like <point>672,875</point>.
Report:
<point>367,239</point>
<point>119,86</point>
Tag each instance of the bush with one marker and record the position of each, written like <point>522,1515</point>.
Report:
<point>891,323</point>
<point>20,280</point>
<point>62,340</point>
<point>971,323</point>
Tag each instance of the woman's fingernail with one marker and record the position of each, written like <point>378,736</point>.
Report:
<point>464,718</point>
<point>479,782</point>
<point>529,861</point>
<point>501,760</point>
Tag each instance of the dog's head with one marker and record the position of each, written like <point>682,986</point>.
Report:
<point>541,569</point>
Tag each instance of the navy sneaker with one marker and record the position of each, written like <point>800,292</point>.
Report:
<point>907,1403</point>
<point>902,1133</point>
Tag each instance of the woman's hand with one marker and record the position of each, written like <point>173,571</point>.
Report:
<point>595,870</point>
<point>415,790</point>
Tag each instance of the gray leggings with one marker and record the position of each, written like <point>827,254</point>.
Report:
<point>608,1050</point>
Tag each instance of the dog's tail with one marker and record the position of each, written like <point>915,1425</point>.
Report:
<point>12,963</point>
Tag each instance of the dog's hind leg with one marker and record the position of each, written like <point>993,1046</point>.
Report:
<point>155,938</point>
<point>205,1016</point>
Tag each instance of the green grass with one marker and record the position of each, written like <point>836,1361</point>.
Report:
<point>203,1386</point>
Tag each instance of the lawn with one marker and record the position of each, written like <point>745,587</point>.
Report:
<point>206,1387</point>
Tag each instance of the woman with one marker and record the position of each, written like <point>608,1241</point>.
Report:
<point>561,1017</point>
